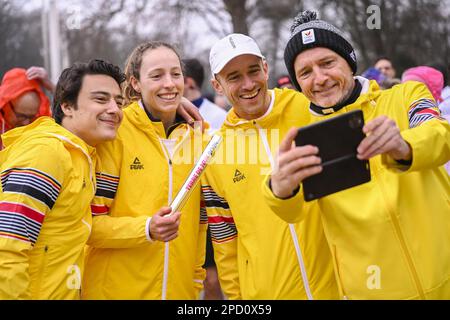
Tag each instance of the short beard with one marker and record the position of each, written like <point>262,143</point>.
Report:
<point>346,96</point>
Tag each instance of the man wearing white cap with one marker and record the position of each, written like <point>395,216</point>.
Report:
<point>258,255</point>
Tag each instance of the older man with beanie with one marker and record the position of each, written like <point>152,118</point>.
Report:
<point>390,237</point>
<point>258,255</point>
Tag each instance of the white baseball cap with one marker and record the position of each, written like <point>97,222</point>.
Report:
<point>230,47</point>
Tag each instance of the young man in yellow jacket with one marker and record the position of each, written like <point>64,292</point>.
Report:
<point>390,237</point>
<point>258,255</point>
<point>48,183</point>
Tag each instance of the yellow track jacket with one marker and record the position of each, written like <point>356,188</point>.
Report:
<point>258,255</point>
<point>390,237</point>
<point>48,183</point>
<point>140,176</point>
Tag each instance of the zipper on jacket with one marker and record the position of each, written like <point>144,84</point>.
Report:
<point>40,273</point>
<point>402,240</point>
<point>338,272</point>
<point>91,166</point>
<point>91,170</point>
<point>166,244</point>
<point>300,262</point>
<point>298,251</point>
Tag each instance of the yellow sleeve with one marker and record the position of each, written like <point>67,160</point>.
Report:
<point>200,272</point>
<point>119,232</point>
<point>430,144</point>
<point>428,133</point>
<point>224,238</point>
<point>30,183</point>
<point>290,210</point>
<point>109,231</point>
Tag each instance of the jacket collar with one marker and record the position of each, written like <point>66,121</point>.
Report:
<point>45,126</point>
<point>178,119</point>
<point>352,98</point>
<point>138,116</point>
<point>272,113</point>
<point>370,91</point>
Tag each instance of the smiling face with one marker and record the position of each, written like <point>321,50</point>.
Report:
<point>98,113</point>
<point>324,76</point>
<point>160,82</point>
<point>243,81</point>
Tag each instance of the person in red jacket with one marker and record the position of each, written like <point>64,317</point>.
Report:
<point>22,98</point>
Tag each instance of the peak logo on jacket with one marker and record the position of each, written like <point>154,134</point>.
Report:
<point>238,176</point>
<point>136,165</point>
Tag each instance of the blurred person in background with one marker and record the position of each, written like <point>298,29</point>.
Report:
<point>383,81</point>
<point>194,75</point>
<point>431,77</point>
<point>384,64</point>
<point>444,106</point>
<point>284,82</point>
<point>22,97</point>
<point>374,74</point>
<point>222,101</point>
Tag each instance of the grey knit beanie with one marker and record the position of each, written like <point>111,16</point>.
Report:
<point>307,32</point>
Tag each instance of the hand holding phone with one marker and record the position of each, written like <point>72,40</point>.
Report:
<point>337,140</point>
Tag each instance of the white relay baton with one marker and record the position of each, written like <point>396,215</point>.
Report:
<point>194,175</point>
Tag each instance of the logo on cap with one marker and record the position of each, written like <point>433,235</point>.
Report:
<point>308,36</point>
<point>353,55</point>
<point>232,42</point>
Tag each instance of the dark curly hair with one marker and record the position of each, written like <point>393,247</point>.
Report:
<point>71,79</point>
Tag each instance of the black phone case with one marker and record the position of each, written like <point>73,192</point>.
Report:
<point>337,139</point>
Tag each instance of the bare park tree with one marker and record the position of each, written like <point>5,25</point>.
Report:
<point>412,32</point>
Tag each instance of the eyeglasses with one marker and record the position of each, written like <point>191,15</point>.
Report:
<point>21,116</point>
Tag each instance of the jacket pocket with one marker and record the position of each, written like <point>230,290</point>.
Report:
<point>338,274</point>
<point>38,278</point>
<point>247,283</point>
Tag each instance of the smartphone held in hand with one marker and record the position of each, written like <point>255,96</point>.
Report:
<point>337,139</point>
